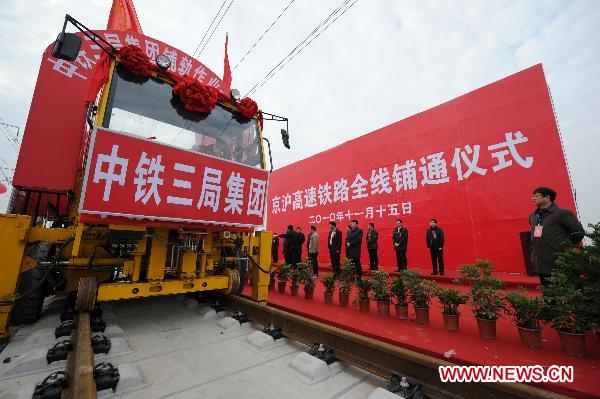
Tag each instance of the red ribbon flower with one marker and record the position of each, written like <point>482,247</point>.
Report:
<point>248,107</point>
<point>195,96</point>
<point>135,60</point>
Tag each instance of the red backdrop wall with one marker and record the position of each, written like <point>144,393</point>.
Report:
<point>471,163</point>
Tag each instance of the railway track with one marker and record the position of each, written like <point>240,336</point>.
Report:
<point>380,358</point>
<point>373,356</point>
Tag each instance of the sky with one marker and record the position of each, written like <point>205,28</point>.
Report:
<point>378,63</point>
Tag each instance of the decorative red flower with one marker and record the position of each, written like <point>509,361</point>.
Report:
<point>195,96</point>
<point>135,60</point>
<point>248,107</point>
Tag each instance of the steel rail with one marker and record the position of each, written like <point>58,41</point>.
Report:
<point>80,362</point>
<point>379,357</point>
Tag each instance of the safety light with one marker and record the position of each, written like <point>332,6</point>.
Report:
<point>163,61</point>
<point>235,94</point>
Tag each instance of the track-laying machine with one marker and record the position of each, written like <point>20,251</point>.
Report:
<point>140,174</point>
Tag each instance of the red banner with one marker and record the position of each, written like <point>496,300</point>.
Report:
<point>127,176</point>
<point>471,163</point>
<point>59,98</point>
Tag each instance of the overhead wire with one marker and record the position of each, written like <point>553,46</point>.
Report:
<point>316,32</point>
<point>208,29</point>
<point>8,132</point>
<point>307,44</point>
<point>215,28</point>
<point>264,33</point>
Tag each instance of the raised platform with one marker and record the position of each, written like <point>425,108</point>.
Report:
<point>463,347</point>
<point>511,280</point>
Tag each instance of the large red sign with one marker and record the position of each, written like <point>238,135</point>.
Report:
<point>59,101</point>
<point>131,177</point>
<point>471,163</point>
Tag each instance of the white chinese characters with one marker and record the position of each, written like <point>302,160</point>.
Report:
<point>110,175</point>
<point>155,177</point>
<point>405,176</point>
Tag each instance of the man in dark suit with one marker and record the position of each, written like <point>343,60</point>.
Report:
<point>553,230</point>
<point>400,240</point>
<point>372,237</point>
<point>275,248</point>
<point>353,246</point>
<point>435,243</point>
<point>300,238</point>
<point>288,245</point>
<point>334,244</point>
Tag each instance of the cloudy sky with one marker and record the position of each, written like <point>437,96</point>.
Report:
<point>378,63</point>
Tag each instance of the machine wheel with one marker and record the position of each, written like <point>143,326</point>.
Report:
<point>28,306</point>
<point>86,294</point>
<point>235,286</point>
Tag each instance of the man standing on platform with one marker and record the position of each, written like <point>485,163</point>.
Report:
<point>300,238</point>
<point>353,246</point>
<point>400,240</point>
<point>334,244</point>
<point>553,230</point>
<point>435,243</point>
<point>313,249</point>
<point>288,245</point>
<point>372,236</point>
<point>275,248</point>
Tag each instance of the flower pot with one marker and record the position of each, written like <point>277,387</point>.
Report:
<point>328,297</point>
<point>531,338</point>
<point>402,312</point>
<point>281,286</point>
<point>308,293</point>
<point>344,299</point>
<point>450,322</point>
<point>364,305</point>
<point>294,288</point>
<point>383,308</point>
<point>572,344</point>
<point>487,328</point>
<point>422,315</point>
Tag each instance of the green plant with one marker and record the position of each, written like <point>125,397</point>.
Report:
<point>524,309</point>
<point>451,299</point>
<point>296,275</point>
<point>283,272</point>
<point>420,294</point>
<point>380,288</point>
<point>486,300</point>
<point>399,291</point>
<point>572,296</point>
<point>306,276</point>
<point>487,303</point>
<point>479,275</point>
<point>420,290</point>
<point>364,289</point>
<point>329,282</point>
<point>346,279</point>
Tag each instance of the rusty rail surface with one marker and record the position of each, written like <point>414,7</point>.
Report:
<point>381,358</point>
<point>80,362</point>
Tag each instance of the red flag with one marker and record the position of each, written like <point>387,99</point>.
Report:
<point>99,78</point>
<point>123,17</point>
<point>3,188</point>
<point>226,68</point>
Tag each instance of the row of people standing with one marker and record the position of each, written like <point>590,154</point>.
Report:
<point>293,240</point>
<point>562,229</point>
